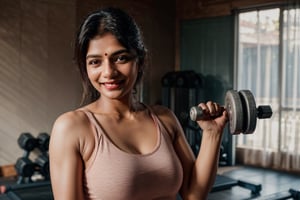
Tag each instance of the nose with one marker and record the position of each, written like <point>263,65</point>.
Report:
<point>109,69</point>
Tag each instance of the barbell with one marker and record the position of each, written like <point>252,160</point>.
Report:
<point>241,109</point>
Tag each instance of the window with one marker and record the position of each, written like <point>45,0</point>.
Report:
<point>268,63</point>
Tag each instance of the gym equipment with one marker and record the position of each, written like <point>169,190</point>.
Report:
<point>29,191</point>
<point>183,89</point>
<point>27,142</point>
<point>242,111</point>
<point>180,89</point>
<point>25,167</point>
<point>224,183</point>
<point>42,163</point>
<point>291,194</point>
<point>43,141</point>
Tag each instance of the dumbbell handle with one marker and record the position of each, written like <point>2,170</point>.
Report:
<point>197,113</point>
<point>263,112</point>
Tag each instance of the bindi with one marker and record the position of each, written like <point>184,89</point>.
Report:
<point>105,54</point>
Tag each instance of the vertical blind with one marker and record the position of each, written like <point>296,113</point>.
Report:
<point>268,64</point>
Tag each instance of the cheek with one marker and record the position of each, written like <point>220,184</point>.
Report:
<point>92,74</point>
<point>129,71</point>
<point>93,78</point>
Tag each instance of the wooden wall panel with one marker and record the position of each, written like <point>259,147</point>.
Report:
<point>37,79</point>
<point>195,9</point>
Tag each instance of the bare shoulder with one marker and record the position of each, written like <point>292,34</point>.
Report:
<point>69,120</point>
<point>163,113</point>
<point>69,126</point>
<point>168,119</point>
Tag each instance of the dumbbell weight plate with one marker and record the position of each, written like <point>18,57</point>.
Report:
<point>27,142</point>
<point>24,167</point>
<point>42,162</point>
<point>234,108</point>
<point>43,141</point>
<point>250,112</point>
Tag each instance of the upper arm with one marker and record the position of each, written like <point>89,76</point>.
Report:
<point>198,173</point>
<point>66,165</point>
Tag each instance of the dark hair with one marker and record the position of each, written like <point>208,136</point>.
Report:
<point>123,27</point>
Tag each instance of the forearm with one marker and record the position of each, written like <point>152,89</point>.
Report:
<point>206,164</point>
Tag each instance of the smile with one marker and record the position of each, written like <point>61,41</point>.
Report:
<point>112,85</point>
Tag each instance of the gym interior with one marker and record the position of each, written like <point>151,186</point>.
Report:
<point>199,50</point>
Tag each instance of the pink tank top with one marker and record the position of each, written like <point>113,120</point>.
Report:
<point>117,175</point>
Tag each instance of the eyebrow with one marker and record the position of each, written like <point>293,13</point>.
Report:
<point>113,54</point>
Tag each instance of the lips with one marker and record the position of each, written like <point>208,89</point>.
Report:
<point>112,85</point>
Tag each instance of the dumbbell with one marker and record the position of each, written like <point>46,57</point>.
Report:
<point>25,168</point>
<point>43,141</point>
<point>42,162</point>
<point>241,109</point>
<point>27,142</point>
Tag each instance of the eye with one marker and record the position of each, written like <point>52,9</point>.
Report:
<point>94,62</point>
<point>122,59</point>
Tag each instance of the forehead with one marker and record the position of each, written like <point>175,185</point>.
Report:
<point>104,44</point>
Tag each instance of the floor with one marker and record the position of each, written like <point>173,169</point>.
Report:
<point>274,184</point>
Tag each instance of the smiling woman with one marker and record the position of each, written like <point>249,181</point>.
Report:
<point>115,147</point>
<point>126,32</point>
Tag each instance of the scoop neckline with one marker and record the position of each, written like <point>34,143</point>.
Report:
<point>156,147</point>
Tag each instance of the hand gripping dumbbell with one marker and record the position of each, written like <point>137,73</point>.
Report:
<point>241,109</point>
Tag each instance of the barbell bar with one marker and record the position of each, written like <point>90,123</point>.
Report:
<point>241,109</point>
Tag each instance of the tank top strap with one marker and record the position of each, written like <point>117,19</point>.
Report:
<point>94,122</point>
<point>160,124</point>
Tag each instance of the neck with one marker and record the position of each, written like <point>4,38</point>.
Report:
<point>121,109</point>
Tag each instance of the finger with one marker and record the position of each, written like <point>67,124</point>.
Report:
<point>204,107</point>
<point>213,107</point>
<point>219,109</point>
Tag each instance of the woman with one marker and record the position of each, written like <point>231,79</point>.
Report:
<point>115,147</point>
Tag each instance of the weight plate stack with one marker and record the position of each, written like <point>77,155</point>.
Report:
<point>250,111</point>
<point>234,108</point>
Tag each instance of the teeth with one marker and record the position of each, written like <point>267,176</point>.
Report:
<point>110,84</point>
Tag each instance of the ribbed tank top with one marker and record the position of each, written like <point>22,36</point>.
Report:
<point>117,175</point>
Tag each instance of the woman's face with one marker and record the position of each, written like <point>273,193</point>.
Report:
<point>111,68</point>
